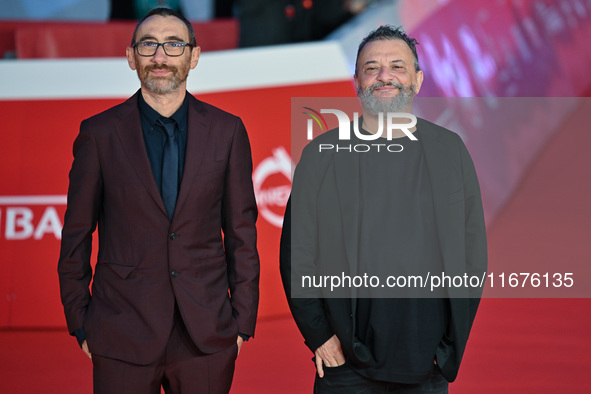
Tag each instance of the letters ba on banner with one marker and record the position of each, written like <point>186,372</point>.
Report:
<point>313,116</point>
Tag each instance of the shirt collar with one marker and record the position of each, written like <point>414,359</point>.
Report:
<point>180,116</point>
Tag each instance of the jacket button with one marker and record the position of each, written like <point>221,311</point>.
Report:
<point>172,235</point>
<point>174,273</point>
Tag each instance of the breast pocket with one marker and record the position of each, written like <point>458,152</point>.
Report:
<point>212,167</point>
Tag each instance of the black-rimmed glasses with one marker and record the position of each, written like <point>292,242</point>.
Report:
<point>171,48</point>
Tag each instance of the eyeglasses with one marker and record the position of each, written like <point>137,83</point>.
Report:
<point>171,48</point>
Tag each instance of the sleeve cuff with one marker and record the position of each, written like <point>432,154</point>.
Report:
<point>80,336</point>
<point>244,336</point>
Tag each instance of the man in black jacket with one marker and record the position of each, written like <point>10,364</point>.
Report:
<point>406,212</point>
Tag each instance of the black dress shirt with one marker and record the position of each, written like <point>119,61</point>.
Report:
<point>155,136</point>
<point>398,237</point>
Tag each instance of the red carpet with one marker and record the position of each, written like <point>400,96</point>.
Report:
<point>517,345</point>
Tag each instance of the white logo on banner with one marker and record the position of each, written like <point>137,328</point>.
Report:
<point>21,221</point>
<point>271,200</point>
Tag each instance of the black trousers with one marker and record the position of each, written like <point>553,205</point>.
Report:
<point>344,380</point>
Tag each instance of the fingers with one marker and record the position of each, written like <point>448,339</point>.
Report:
<point>332,360</point>
<point>239,342</point>
<point>331,352</point>
<point>85,349</point>
<point>319,366</point>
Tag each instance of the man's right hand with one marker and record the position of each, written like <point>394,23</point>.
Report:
<point>85,349</point>
<point>329,354</point>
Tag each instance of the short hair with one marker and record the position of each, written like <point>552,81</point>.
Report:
<point>163,11</point>
<point>387,32</point>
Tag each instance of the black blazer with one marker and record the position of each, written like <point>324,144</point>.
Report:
<point>327,228</point>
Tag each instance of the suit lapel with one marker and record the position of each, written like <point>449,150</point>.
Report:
<point>198,132</point>
<point>130,133</point>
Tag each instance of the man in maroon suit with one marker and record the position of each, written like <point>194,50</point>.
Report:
<point>167,178</point>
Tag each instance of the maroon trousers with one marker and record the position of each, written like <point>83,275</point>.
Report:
<point>183,368</point>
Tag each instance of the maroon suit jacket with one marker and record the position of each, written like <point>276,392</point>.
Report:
<point>145,260</point>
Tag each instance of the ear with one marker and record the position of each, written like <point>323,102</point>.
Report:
<point>419,82</point>
<point>130,53</point>
<point>195,53</point>
<point>356,82</point>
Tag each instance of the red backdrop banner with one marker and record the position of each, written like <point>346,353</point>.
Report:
<point>35,157</point>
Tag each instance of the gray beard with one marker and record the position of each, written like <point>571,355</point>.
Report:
<point>159,85</point>
<point>163,87</point>
<point>375,105</point>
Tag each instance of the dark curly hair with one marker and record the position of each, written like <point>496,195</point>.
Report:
<point>387,32</point>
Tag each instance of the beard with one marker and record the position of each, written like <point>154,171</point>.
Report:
<point>374,105</point>
<point>164,84</point>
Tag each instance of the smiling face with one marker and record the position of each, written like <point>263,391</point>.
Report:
<point>386,79</point>
<point>160,73</point>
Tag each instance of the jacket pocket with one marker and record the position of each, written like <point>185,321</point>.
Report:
<point>120,269</point>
